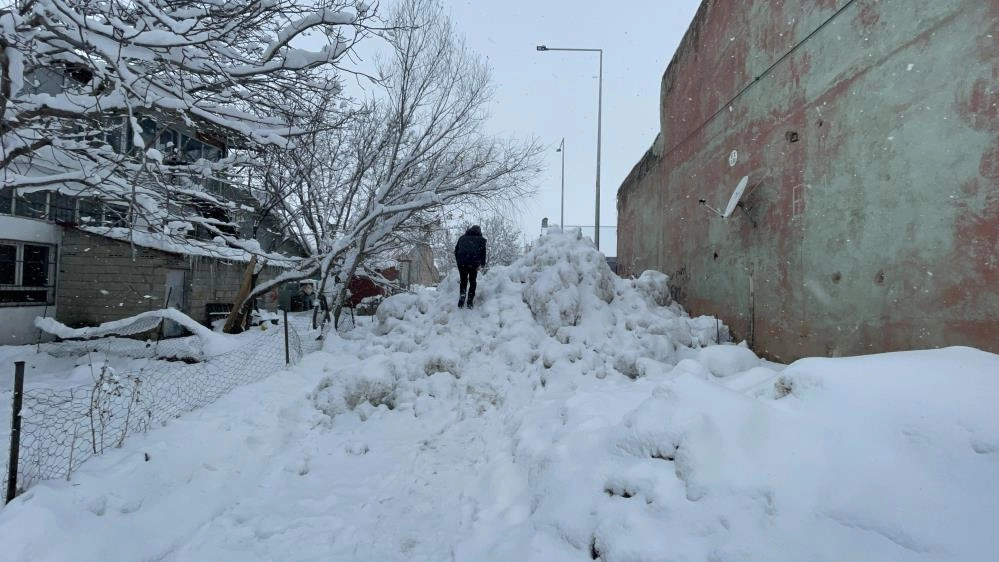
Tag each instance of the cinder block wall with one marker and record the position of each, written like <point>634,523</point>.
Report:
<point>101,279</point>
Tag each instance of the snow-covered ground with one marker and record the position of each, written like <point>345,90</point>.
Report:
<point>568,416</point>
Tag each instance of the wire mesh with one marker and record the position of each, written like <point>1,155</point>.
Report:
<point>62,428</point>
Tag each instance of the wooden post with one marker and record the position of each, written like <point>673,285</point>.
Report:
<point>287,353</point>
<point>15,431</point>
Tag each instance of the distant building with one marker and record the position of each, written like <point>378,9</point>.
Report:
<point>418,266</point>
<point>869,133</point>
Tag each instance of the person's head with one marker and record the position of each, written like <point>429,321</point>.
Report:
<point>307,288</point>
<point>474,230</point>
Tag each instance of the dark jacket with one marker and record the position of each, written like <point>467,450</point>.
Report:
<point>470,251</point>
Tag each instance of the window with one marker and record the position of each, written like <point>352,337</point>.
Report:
<point>62,208</point>
<point>6,201</point>
<point>193,149</point>
<point>168,141</point>
<point>8,264</point>
<point>114,132</point>
<point>221,217</point>
<point>115,215</point>
<point>90,211</point>
<point>213,153</point>
<point>36,266</point>
<point>32,205</point>
<point>27,274</point>
<point>148,130</point>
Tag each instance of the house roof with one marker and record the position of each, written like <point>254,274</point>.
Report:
<point>191,247</point>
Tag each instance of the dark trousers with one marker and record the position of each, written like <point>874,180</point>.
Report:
<point>466,278</point>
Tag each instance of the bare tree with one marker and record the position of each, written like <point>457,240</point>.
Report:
<point>92,93</point>
<point>505,244</point>
<point>415,148</point>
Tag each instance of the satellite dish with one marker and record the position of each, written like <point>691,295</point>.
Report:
<point>736,195</point>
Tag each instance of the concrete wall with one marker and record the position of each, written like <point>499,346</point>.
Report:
<point>101,279</point>
<point>870,134</point>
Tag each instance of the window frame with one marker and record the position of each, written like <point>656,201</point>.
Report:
<point>19,270</point>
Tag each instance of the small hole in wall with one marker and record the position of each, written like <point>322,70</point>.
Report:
<point>716,255</point>
<point>879,278</point>
<point>820,122</point>
<point>836,277</point>
<point>791,136</point>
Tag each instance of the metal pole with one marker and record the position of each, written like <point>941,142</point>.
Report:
<point>15,431</point>
<point>600,103</point>
<point>561,215</point>
<point>287,353</point>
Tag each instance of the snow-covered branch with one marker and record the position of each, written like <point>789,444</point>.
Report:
<point>125,100</point>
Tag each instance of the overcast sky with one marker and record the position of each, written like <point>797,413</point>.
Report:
<point>551,95</point>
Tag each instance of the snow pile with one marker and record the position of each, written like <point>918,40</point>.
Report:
<point>723,360</point>
<point>558,310</point>
<point>886,457</point>
<point>655,285</point>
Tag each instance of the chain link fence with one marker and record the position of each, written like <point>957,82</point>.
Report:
<point>137,385</point>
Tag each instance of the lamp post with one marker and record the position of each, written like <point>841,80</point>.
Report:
<point>561,213</point>
<point>600,97</point>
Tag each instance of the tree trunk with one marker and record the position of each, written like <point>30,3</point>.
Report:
<point>237,316</point>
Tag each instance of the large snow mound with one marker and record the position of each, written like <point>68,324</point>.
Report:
<point>557,310</point>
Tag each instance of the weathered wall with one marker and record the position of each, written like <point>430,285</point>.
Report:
<point>101,279</point>
<point>870,134</point>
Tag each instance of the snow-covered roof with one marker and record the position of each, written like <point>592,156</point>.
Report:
<point>216,248</point>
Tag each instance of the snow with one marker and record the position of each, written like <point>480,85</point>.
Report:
<point>213,343</point>
<point>179,244</point>
<point>566,417</point>
<point>727,360</point>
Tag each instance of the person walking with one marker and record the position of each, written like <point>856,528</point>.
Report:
<point>470,253</point>
<point>305,294</point>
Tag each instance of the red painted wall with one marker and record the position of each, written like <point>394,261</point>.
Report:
<point>869,131</point>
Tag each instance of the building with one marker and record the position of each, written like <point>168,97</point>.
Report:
<point>868,132</point>
<point>80,259</point>
<point>418,266</point>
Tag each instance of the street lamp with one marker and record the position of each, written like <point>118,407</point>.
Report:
<point>561,214</point>
<point>600,96</point>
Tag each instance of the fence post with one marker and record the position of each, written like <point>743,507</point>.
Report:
<point>287,353</point>
<point>15,431</point>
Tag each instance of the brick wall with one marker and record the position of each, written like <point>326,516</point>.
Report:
<point>101,279</point>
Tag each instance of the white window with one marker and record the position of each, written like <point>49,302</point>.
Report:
<point>27,273</point>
